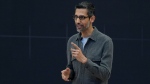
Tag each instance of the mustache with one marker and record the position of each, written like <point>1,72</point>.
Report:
<point>79,24</point>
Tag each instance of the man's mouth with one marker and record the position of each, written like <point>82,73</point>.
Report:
<point>79,26</point>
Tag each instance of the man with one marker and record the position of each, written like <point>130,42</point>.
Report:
<point>89,52</point>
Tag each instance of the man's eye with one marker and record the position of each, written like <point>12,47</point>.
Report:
<point>81,17</point>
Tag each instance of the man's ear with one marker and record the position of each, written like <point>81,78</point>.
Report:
<point>92,19</point>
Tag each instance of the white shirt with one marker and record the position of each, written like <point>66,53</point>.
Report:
<point>84,41</point>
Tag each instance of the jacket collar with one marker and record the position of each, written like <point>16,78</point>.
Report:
<point>93,35</point>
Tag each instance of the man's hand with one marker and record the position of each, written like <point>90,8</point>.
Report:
<point>65,74</point>
<point>77,53</point>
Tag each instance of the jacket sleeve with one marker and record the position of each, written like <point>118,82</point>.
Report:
<point>103,69</point>
<point>72,74</point>
<point>69,62</point>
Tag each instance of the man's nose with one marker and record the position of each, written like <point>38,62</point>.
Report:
<point>77,20</point>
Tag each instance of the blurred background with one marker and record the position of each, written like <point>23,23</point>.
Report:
<point>34,34</point>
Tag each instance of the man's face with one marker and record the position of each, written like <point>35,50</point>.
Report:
<point>82,20</point>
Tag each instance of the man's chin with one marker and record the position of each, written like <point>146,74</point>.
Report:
<point>78,30</point>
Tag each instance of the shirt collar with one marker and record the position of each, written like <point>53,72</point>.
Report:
<point>93,35</point>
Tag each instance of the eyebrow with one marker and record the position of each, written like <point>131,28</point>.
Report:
<point>81,15</point>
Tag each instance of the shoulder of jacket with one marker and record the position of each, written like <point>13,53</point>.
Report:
<point>103,36</point>
<point>73,37</point>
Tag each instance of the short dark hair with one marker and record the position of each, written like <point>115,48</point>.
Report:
<point>86,5</point>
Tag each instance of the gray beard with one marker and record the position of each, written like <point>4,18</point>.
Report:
<point>83,29</point>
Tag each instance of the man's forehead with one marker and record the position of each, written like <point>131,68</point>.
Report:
<point>81,12</point>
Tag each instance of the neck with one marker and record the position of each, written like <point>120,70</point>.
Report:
<point>87,32</point>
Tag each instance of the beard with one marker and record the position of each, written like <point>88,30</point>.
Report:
<point>81,28</point>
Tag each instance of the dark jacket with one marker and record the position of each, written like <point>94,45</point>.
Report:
<point>99,51</point>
